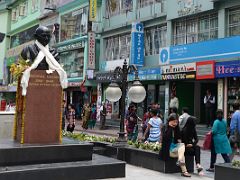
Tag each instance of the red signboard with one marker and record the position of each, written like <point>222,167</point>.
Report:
<point>205,70</point>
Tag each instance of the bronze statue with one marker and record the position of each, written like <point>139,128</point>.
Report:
<point>30,52</point>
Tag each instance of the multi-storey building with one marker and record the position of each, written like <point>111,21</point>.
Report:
<point>189,46</point>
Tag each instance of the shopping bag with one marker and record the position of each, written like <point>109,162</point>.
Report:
<point>207,141</point>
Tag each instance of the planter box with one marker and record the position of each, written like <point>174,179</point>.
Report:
<point>150,160</point>
<point>142,158</point>
<point>225,171</point>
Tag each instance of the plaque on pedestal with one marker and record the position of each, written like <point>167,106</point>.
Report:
<point>38,114</point>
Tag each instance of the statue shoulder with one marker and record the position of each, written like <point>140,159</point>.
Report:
<point>29,52</point>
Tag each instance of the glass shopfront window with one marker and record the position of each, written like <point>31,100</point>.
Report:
<point>23,37</point>
<point>196,29</point>
<point>116,7</point>
<point>233,93</point>
<point>117,47</point>
<point>73,62</point>
<point>155,37</point>
<point>234,22</point>
<point>74,24</point>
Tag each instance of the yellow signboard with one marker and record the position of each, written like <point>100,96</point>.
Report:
<point>93,10</point>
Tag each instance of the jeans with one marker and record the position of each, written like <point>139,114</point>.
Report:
<point>214,156</point>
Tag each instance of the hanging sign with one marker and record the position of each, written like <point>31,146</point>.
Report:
<point>91,50</point>
<point>137,44</point>
<point>93,10</point>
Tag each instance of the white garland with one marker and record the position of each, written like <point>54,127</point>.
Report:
<point>53,65</point>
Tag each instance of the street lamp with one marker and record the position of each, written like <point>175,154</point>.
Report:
<point>136,93</point>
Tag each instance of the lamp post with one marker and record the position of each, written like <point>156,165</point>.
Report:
<point>136,94</point>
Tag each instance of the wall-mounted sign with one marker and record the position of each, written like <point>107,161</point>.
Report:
<point>227,69</point>
<point>71,46</point>
<point>74,84</point>
<point>164,56</point>
<point>91,50</point>
<point>93,10</point>
<point>147,74</point>
<point>187,7</point>
<point>107,77</point>
<point>179,71</point>
<point>203,51</point>
<point>205,70</point>
<point>111,65</point>
<point>137,44</point>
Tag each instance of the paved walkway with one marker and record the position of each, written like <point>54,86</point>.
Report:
<point>138,173</point>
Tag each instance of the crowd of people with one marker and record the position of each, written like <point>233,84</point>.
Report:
<point>178,135</point>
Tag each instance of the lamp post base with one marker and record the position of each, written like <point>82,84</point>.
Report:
<point>121,140</point>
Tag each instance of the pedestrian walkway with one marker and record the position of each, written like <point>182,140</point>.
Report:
<point>138,173</point>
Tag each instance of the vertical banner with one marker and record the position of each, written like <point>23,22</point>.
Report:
<point>91,50</point>
<point>93,10</point>
<point>99,101</point>
<point>137,44</point>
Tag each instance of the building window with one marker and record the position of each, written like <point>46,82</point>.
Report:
<point>196,29</point>
<point>73,62</point>
<point>34,5</point>
<point>23,37</point>
<point>116,7</point>
<point>23,9</point>
<point>155,38</point>
<point>74,24</point>
<point>117,47</point>
<point>144,3</point>
<point>234,22</point>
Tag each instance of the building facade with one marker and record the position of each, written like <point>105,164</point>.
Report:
<point>189,42</point>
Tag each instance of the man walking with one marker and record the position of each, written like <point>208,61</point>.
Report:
<point>103,113</point>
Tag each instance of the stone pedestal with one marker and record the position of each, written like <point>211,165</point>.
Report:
<point>39,112</point>
<point>6,125</point>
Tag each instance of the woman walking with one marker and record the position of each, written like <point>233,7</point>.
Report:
<point>220,142</point>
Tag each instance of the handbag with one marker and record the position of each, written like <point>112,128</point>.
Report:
<point>207,141</point>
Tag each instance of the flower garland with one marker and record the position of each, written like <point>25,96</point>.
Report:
<point>60,134</point>
<point>23,122</point>
<point>19,67</point>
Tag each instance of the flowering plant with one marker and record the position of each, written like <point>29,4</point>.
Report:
<point>17,68</point>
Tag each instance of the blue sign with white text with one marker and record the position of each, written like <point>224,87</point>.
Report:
<point>227,69</point>
<point>137,45</point>
<point>147,74</point>
<point>207,50</point>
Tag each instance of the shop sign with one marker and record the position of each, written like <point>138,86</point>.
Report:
<point>91,50</point>
<point>111,65</point>
<point>71,47</point>
<point>93,10</point>
<point>179,71</point>
<point>187,7</point>
<point>227,69</point>
<point>205,70</point>
<point>137,44</point>
<point>207,50</point>
<point>147,74</point>
<point>3,88</point>
<point>107,77</point>
<point>17,50</point>
<point>74,84</point>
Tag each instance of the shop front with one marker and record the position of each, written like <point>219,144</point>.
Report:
<point>229,72</point>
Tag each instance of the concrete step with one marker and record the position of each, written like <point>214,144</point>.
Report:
<point>12,153</point>
<point>98,168</point>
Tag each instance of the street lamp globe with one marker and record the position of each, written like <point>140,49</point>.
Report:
<point>113,92</point>
<point>137,92</point>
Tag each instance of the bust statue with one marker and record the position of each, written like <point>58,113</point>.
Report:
<point>30,52</point>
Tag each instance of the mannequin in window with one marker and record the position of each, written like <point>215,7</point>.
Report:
<point>30,52</point>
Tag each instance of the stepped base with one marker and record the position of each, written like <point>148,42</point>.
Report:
<point>98,168</point>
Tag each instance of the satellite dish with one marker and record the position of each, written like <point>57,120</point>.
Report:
<point>2,35</point>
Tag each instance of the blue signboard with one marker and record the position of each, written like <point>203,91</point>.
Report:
<point>207,50</point>
<point>137,45</point>
<point>227,69</point>
<point>147,74</point>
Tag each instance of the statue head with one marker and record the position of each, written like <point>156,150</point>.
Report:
<point>43,35</point>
